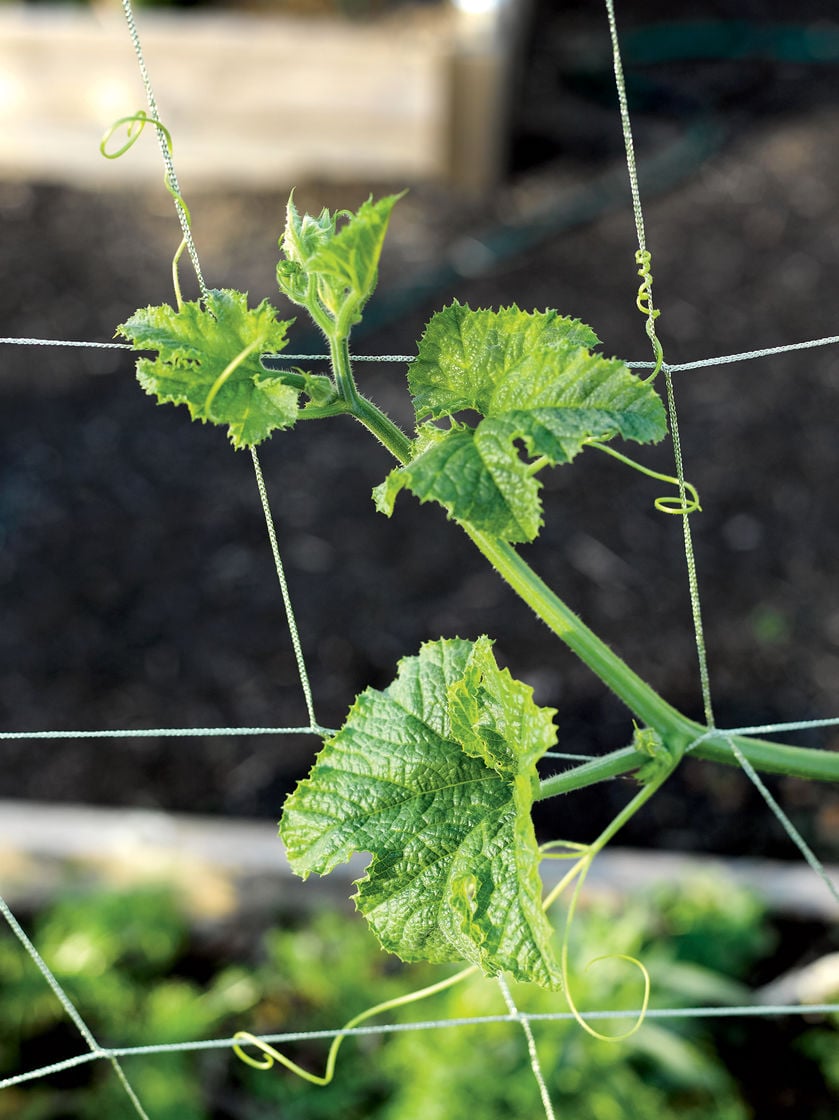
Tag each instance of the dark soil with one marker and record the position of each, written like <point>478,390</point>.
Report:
<point>137,582</point>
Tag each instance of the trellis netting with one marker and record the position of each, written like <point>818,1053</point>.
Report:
<point>91,1049</point>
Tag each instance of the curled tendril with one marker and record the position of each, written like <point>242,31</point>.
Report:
<point>687,501</point>
<point>271,1055</point>
<point>230,368</point>
<point>681,506</point>
<point>584,857</point>
<point>134,126</point>
<point>644,303</point>
<point>584,866</point>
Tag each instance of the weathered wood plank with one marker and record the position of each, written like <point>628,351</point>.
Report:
<point>224,866</point>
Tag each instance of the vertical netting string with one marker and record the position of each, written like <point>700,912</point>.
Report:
<point>289,610</point>
<point>172,178</point>
<point>535,1064</point>
<point>643,255</point>
<point>69,1007</point>
<point>193,254</point>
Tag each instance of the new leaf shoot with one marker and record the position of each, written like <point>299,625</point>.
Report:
<point>331,270</point>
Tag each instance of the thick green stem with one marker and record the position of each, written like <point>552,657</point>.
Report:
<point>715,746</point>
<point>641,699</point>
<point>339,351</point>
<point>590,773</point>
<point>772,758</point>
<point>381,426</point>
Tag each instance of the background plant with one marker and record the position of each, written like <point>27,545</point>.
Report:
<point>138,974</point>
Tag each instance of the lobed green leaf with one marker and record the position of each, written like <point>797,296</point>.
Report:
<point>464,356</point>
<point>538,390</point>
<point>208,359</point>
<point>475,480</point>
<point>435,777</point>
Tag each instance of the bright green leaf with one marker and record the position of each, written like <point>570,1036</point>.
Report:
<point>208,359</point>
<point>538,390</point>
<point>435,776</point>
<point>465,355</point>
<point>493,715</point>
<point>478,482</point>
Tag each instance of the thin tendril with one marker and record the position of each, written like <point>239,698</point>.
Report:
<point>584,866</point>
<point>172,179</point>
<point>135,125</point>
<point>644,302</point>
<point>686,503</point>
<point>141,119</point>
<point>273,1055</point>
<point>579,871</point>
<point>227,372</point>
<point>176,279</point>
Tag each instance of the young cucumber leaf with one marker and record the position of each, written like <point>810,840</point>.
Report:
<point>537,387</point>
<point>332,270</point>
<point>435,777</point>
<point>208,359</point>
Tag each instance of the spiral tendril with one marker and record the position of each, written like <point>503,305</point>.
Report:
<point>272,1055</point>
<point>134,126</point>
<point>687,500</point>
<point>644,303</point>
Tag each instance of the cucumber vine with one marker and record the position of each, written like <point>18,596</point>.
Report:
<point>436,774</point>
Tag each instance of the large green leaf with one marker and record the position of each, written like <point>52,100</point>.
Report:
<point>538,389</point>
<point>466,356</point>
<point>208,359</point>
<point>435,777</point>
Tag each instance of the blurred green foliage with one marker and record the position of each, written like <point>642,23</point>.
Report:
<point>127,962</point>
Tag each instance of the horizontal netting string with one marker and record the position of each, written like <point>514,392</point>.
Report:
<point>663,1013</point>
<point>675,367</point>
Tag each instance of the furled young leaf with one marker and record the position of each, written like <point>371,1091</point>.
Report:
<point>208,359</point>
<point>435,777</point>
<point>336,267</point>
<point>538,389</point>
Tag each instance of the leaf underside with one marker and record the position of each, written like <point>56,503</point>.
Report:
<point>435,776</point>
<point>208,359</point>
<point>541,395</point>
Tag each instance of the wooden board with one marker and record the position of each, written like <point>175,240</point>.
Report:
<point>256,100</point>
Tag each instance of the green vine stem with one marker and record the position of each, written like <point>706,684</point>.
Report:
<point>679,733</point>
